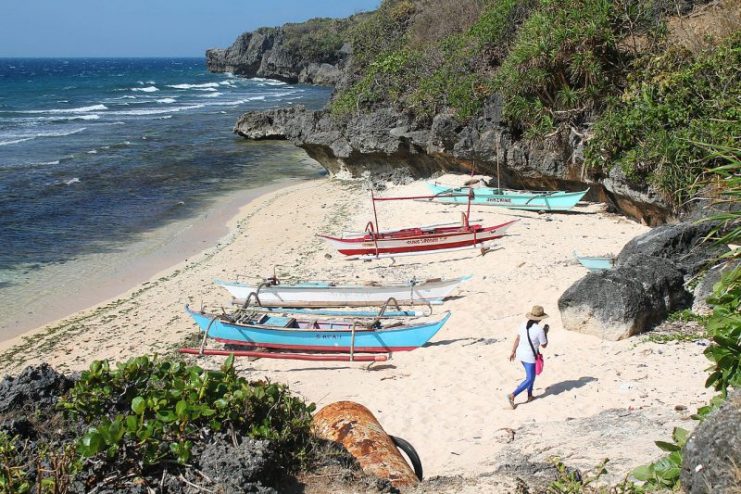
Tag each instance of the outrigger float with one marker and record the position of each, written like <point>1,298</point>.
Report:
<point>374,243</point>
<point>251,332</point>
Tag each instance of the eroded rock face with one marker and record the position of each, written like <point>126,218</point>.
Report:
<point>236,469</point>
<point>385,139</point>
<point>262,53</point>
<point>628,300</point>
<point>712,457</point>
<point>38,386</point>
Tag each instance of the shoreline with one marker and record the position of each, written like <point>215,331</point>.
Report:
<point>157,252</point>
<point>596,398</point>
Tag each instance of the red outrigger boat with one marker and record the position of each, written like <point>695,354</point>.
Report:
<point>373,243</point>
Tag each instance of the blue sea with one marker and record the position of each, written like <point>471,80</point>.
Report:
<point>96,153</point>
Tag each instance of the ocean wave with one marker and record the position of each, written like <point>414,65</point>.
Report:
<point>93,151</point>
<point>15,141</point>
<point>148,89</point>
<point>194,86</point>
<point>208,89</point>
<point>166,100</point>
<point>211,95</point>
<point>71,181</point>
<point>81,109</point>
<point>94,116</point>
<point>155,111</point>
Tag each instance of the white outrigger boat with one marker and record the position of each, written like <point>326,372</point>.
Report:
<point>328,294</point>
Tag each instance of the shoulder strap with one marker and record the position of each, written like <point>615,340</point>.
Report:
<point>527,333</point>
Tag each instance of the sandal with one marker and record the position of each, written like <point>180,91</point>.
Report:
<point>511,400</point>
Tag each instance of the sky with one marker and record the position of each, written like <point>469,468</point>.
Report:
<point>147,28</point>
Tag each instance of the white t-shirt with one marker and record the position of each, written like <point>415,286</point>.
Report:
<point>537,336</point>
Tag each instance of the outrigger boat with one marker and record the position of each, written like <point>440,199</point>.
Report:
<point>374,243</point>
<point>314,294</point>
<point>512,199</point>
<point>596,264</point>
<point>252,331</point>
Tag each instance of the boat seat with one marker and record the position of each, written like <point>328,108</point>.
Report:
<point>291,323</point>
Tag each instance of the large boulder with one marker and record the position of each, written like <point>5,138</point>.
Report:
<point>712,457</point>
<point>625,301</point>
<point>684,244</point>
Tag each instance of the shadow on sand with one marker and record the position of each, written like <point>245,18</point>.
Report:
<point>558,388</point>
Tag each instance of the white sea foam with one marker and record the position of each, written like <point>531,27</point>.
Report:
<point>156,111</point>
<point>166,100</point>
<point>211,95</point>
<point>207,89</point>
<point>81,109</point>
<point>166,117</point>
<point>194,86</point>
<point>93,151</point>
<point>94,116</point>
<point>148,89</point>
<point>72,181</point>
<point>15,141</point>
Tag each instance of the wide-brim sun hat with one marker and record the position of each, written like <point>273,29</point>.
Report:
<point>536,313</point>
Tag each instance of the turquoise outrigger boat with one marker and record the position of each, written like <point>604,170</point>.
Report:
<point>288,334</point>
<point>512,199</point>
<point>596,264</point>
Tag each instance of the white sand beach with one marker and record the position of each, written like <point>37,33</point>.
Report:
<point>447,399</point>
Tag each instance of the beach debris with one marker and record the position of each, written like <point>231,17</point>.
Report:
<point>358,430</point>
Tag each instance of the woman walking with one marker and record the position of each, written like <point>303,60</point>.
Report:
<point>531,336</point>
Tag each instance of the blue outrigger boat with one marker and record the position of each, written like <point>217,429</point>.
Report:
<point>512,199</point>
<point>289,334</point>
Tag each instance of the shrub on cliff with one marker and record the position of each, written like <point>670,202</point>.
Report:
<point>673,102</point>
<point>152,422</point>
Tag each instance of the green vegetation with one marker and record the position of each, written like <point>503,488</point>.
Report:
<point>168,405</point>
<point>609,69</point>
<point>150,414</point>
<point>318,39</point>
<point>673,101</point>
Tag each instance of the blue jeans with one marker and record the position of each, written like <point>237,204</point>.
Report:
<point>529,381</point>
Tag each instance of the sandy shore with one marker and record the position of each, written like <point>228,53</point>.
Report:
<point>596,398</point>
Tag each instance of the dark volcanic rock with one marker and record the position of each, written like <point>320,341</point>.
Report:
<point>38,386</point>
<point>683,244</point>
<point>631,299</point>
<point>712,457</point>
<point>239,468</point>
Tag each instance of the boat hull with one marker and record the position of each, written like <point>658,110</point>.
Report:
<point>326,295</point>
<point>403,338</point>
<point>417,241</point>
<point>486,196</point>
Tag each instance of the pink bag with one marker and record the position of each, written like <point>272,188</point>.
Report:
<point>539,364</point>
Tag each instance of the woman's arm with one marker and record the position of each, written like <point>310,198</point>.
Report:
<point>514,348</point>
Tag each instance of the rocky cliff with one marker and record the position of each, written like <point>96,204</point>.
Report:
<point>387,141</point>
<point>312,52</point>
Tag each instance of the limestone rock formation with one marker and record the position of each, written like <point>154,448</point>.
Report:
<point>712,457</point>
<point>310,52</point>
<point>628,300</point>
<point>645,286</point>
<point>388,139</point>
